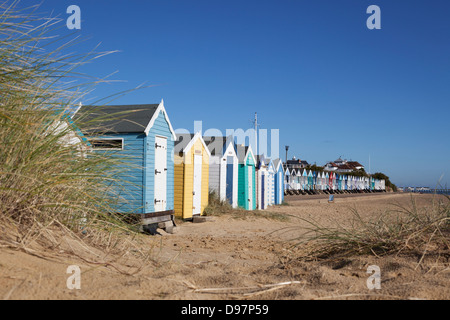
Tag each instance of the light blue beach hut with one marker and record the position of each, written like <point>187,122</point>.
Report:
<point>287,179</point>
<point>278,179</point>
<point>142,137</point>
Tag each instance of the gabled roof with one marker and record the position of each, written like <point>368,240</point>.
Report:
<point>277,163</point>
<point>185,142</point>
<point>354,164</point>
<point>120,118</point>
<point>217,144</point>
<point>243,152</point>
<point>262,160</point>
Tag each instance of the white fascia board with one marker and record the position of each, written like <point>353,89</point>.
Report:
<point>192,142</point>
<point>229,151</point>
<point>155,116</point>
<point>250,152</point>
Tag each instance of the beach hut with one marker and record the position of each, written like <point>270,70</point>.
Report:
<point>278,181</point>
<point>339,177</point>
<point>263,192</point>
<point>317,181</point>
<point>314,180</point>
<point>287,179</point>
<point>310,180</point>
<point>191,178</point>
<point>271,171</point>
<point>142,138</point>
<point>323,183</point>
<point>352,182</point>
<point>328,181</point>
<point>304,179</point>
<point>295,183</point>
<point>223,168</point>
<point>246,177</point>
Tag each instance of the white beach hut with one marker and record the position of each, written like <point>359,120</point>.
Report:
<point>223,168</point>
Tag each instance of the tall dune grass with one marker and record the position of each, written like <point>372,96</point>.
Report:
<point>49,182</point>
<point>403,229</point>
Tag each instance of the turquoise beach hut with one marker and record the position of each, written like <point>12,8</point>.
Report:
<point>246,177</point>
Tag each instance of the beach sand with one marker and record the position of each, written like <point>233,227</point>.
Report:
<point>233,257</point>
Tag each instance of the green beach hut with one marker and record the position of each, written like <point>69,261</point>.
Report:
<point>246,177</point>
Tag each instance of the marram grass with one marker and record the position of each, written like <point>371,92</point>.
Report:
<point>49,181</point>
<point>410,230</point>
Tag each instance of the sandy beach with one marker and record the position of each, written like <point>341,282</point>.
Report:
<point>235,257</point>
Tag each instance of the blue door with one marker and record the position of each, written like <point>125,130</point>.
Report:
<point>229,191</point>
<point>262,191</point>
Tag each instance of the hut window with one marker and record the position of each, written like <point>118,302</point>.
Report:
<point>107,144</point>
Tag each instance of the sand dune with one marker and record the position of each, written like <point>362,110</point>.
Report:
<point>229,257</point>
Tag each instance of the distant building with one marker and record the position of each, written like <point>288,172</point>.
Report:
<point>296,164</point>
<point>343,166</point>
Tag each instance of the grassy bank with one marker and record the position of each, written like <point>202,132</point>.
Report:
<point>400,230</point>
<point>50,185</point>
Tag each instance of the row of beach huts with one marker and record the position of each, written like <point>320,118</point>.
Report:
<point>171,174</point>
<point>307,180</point>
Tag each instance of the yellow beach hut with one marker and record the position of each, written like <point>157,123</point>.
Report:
<point>191,175</point>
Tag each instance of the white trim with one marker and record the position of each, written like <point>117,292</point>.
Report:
<point>155,116</point>
<point>223,172</point>
<point>192,142</point>
<point>225,154</point>
<point>253,156</point>
<point>279,164</point>
<point>78,108</point>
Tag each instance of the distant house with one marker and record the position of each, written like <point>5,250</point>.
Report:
<point>343,166</point>
<point>330,166</point>
<point>296,163</point>
<point>355,164</point>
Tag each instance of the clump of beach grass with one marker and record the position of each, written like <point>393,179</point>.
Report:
<point>217,207</point>
<point>408,230</point>
<point>51,186</point>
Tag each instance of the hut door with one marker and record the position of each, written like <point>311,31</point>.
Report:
<point>263,190</point>
<point>160,174</point>
<point>279,189</point>
<point>229,190</point>
<point>197,191</point>
<point>250,188</point>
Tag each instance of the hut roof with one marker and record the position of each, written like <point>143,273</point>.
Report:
<point>115,119</point>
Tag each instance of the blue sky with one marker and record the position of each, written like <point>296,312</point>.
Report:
<point>311,69</point>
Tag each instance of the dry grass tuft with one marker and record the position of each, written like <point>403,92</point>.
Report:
<point>51,187</point>
<point>402,230</point>
<point>216,207</point>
